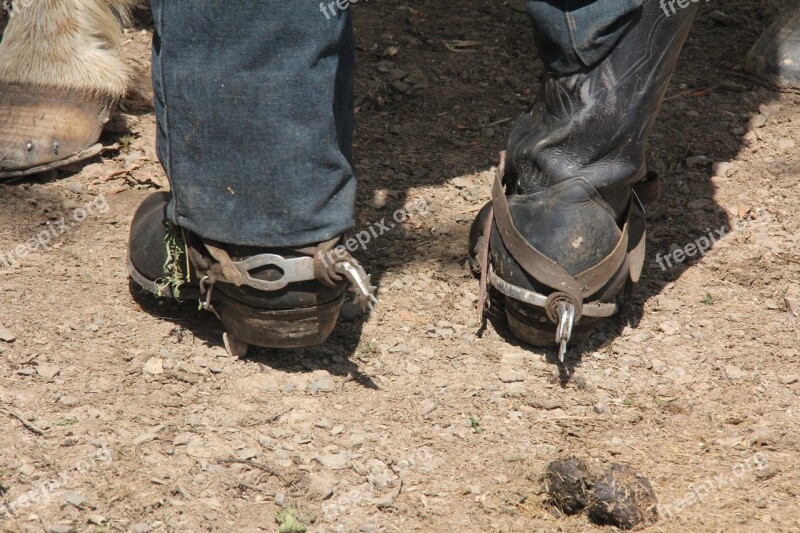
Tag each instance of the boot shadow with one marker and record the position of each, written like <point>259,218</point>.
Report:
<point>334,356</point>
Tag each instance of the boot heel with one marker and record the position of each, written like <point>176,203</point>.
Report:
<point>531,325</point>
<point>269,328</point>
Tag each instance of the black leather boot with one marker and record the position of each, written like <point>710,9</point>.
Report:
<point>775,58</point>
<point>566,231</point>
<point>271,297</point>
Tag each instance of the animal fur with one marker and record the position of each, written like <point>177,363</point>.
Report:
<point>70,44</point>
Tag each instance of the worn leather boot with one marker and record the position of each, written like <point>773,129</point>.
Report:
<point>564,233</point>
<point>271,297</point>
<point>775,58</point>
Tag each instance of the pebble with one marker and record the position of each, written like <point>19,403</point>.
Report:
<point>27,371</point>
<point>509,375</point>
<point>697,161</point>
<point>413,369</point>
<point>280,498</point>
<point>765,436</point>
<point>75,499</point>
<point>154,366</point>
<point>139,528</point>
<point>320,488</point>
<point>182,439</point>
<point>460,183</point>
<point>27,469</point>
<point>734,372</point>
<point>47,372</point>
<point>248,453</point>
<point>427,407</point>
<point>77,188</point>
<point>790,379</point>
<point>150,436</point>
<point>722,169</point>
<point>600,408</point>
<point>68,401</point>
<point>61,528</point>
<point>670,328</point>
<point>6,335</point>
<point>337,430</point>
<point>326,385</point>
<point>758,121</point>
<point>659,366</point>
<point>676,373</point>
<point>333,461</point>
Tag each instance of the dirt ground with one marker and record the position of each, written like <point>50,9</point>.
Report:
<point>406,420</point>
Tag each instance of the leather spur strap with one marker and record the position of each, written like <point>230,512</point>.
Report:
<point>544,269</point>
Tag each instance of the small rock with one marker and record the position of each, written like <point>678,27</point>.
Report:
<point>320,488</point>
<point>27,469</point>
<point>333,461</point>
<point>75,187</point>
<point>734,372</point>
<point>337,430</point>
<point>460,183</point>
<point>68,401</point>
<point>413,369</point>
<point>325,385</point>
<point>785,145</point>
<point>758,121</point>
<point>670,328</point>
<point>27,371</point>
<point>697,161</point>
<point>47,372</point>
<point>6,335</point>
<point>61,528</point>
<point>74,499</point>
<point>247,454</point>
<point>280,498</point>
<point>763,436</point>
<point>139,528</point>
<point>659,366</point>
<point>509,375</point>
<point>722,169</point>
<point>401,348</point>
<point>792,299</point>
<point>154,366</point>
<point>676,373</point>
<point>600,408</point>
<point>96,519</point>
<point>182,439</point>
<point>790,379</point>
<point>150,436</point>
<point>427,407</point>
<point>215,369</point>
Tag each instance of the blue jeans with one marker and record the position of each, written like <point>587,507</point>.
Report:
<point>254,108</point>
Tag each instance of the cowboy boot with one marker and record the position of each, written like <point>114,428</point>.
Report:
<point>61,75</point>
<point>775,58</point>
<point>270,297</point>
<point>564,234</point>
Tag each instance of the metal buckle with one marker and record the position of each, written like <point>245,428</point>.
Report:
<point>566,319</point>
<point>293,270</point>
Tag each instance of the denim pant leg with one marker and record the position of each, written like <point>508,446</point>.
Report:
<point>254,111</point>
